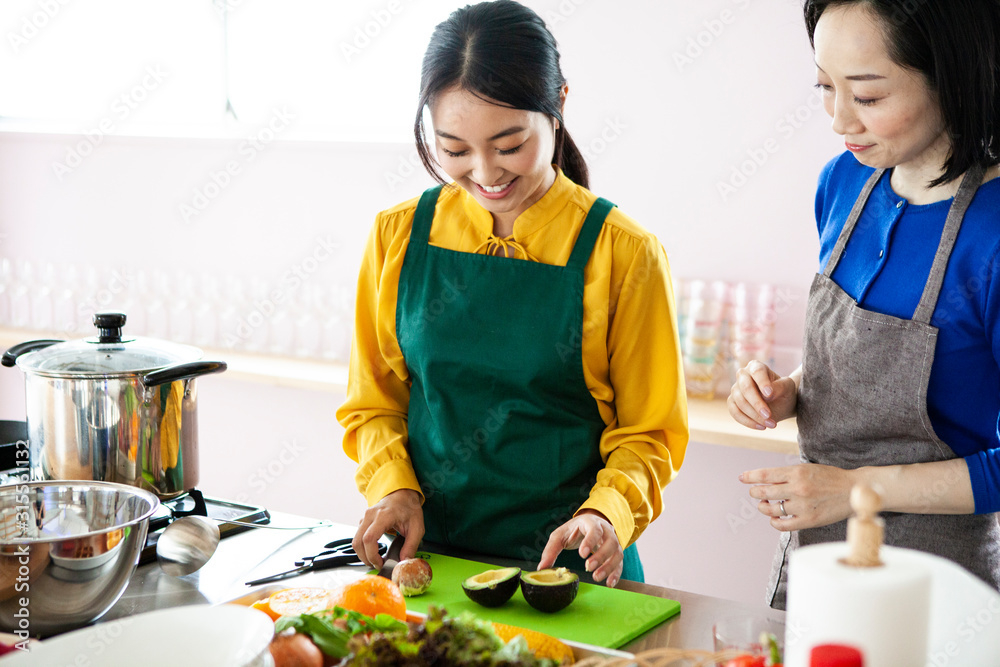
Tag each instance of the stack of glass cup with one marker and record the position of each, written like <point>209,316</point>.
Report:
<point>294,315</point>
<point>751,326</point>
<point>702,309</point>
<point>722,328</point>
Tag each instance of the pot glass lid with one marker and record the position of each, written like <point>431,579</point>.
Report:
<point>108,353</point>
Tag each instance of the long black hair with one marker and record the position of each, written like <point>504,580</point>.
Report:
<point>955,45</point>
<point>500,51</point>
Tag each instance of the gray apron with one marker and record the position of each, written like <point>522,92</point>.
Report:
<point>863,402</point>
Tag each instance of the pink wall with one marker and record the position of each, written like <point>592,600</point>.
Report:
<point>700,122</point>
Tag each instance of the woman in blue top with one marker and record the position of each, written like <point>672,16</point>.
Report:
<point>899,386</point>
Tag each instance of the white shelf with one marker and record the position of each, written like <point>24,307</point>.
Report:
<point>311,374</point>
<point>314,374</point>
<point>709,422</point>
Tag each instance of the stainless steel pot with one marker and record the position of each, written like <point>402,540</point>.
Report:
<point>113,409</point>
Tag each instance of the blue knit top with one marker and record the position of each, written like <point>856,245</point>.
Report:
<point>885,267</point>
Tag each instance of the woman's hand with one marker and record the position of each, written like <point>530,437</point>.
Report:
<point>760,398</point>
<point>812,495</point>
<point>399,511</point>
<point>595,537</point>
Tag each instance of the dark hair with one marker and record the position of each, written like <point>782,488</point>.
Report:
<point>498,51</point>
<point>955,44</point>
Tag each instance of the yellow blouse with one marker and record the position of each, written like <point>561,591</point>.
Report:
<point>631,352</point>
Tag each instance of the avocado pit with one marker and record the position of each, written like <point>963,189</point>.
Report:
<point>413,576</point>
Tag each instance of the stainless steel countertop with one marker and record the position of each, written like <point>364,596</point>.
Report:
<point>259,552</point>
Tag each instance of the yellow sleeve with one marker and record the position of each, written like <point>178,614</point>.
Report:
<point>644,445</point>
<point>378,393</point>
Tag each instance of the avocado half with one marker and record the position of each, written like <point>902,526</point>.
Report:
<point>550,590</point>
<point>492,588</point>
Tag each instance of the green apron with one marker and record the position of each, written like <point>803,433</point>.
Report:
<point>503,432</point>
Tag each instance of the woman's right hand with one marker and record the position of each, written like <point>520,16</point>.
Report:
<point>399,511</point>
<point>760,398</point>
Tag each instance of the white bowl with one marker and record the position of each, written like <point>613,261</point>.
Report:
<point>194,636</point>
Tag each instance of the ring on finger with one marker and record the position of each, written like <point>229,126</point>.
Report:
<point>781,505</point>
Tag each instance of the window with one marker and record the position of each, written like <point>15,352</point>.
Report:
<point>343,70</point>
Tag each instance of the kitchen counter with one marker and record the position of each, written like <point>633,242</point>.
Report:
<point>709,421</point>
<point>259,552</point>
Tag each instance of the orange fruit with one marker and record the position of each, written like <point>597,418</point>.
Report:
<point>263,606</point>
<point>371,595</point>
<point>294,601</point>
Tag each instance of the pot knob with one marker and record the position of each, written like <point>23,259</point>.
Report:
<point>109,326</point>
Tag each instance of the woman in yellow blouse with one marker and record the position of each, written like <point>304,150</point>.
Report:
<point>516,386</point>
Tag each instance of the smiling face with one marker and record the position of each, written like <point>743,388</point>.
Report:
<point>501,156</point>
<point>888,115</point>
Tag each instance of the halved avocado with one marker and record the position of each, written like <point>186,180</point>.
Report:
<point>493,587</point>
<point>550,590</point>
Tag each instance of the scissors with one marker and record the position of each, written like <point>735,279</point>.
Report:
<point>334,554</point>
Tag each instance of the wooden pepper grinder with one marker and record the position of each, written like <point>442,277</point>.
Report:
<point>865,530</point>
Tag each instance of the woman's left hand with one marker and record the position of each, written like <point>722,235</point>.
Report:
<point>595,537</point>
<point>813,495</point>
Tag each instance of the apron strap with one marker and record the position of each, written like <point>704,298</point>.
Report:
<point>932,290</point>
<point>852,220</point>
<point>424,216</point>
<point>588,233</point>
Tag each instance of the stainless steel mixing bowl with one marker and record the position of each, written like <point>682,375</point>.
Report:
<point>67,551</point>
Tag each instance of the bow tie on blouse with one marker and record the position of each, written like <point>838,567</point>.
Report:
<point>495,243</point>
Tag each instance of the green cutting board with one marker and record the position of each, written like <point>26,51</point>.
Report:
<point>600,616</point>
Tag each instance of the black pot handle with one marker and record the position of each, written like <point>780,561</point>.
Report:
<point>182,372</point>
<point>11,355</point>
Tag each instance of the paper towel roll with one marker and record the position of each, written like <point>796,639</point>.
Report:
<point>884,611</point>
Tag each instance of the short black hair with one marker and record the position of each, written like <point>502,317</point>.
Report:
<point>955,44</point>
<point>498,51</point>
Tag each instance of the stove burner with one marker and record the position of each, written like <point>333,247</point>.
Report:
<point>173,509</point>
